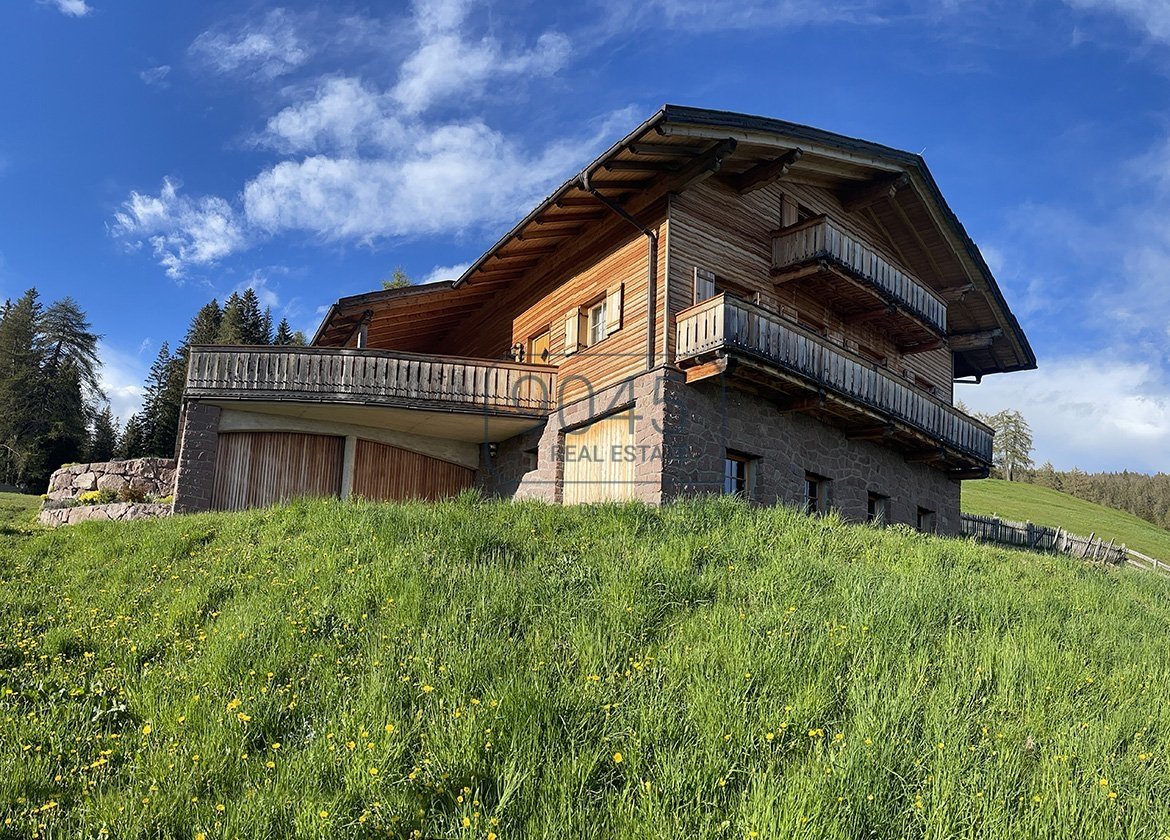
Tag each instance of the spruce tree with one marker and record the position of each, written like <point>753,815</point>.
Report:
<point>231,325</point>
<point>103,440</point>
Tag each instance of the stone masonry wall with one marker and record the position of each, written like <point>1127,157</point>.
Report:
<point>707,419</point>
<point>116,512</point>
<point>151,476</point>
<point>198,445</point>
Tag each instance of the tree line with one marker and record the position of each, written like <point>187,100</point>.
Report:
<point>52,408</point>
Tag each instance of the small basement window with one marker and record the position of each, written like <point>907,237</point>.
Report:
<point>878,510</point>
<point>816,493</point>
<point>531,459</point>
<point>927,520</point>
<point>737,474</point>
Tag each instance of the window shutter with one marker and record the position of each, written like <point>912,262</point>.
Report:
<point>704,284</point>
<point>572,332</point>
<point>613,309</point>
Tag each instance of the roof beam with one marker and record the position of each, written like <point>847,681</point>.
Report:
<point>963,342</point>
<point>641,166</point>
<point>920,347</point>
<point>559,233</point>
<point>765,173</point>
<point>870,314</point>
<point>878,432</point>
<point>887,186</point>
<point>526,252</point>
<point>620,185</point>
<point>569,217</point>
<point>665,149</point>
<point>803,404</point>
<point>927,456</point>
<point>955,294</point>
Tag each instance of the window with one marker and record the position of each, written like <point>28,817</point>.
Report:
<point>926,520</point>
<point>816,493</point>
<point>737,475</point>
<point>596,324</point>
<point>538,348</point>
<point>878,511</point>
<point>531,459</point>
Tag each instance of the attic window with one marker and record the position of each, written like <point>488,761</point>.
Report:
<point>596,332</point>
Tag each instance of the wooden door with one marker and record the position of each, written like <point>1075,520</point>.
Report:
<point>387,473</point>
<point>254,469</point>
<point>600,460</point>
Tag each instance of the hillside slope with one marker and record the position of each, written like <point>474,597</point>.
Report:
<point>476,670</point>
<point>1043,506</point>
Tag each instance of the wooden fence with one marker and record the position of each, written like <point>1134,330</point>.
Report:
<point>1034,537</point>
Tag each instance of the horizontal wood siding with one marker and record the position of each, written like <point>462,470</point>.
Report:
<point>713,227</point>
<point>388,473</point>
<point>544,302</point>
<point>724,323</point>
<point>595,467</point>
<point>376,377</point>
<point>255,469</point>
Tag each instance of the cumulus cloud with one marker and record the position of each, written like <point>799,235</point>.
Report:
<point>72,8</point>
<point>444,272</point>
<point>267,48</point>
<point>1087,412</point>
<point>180,230</point>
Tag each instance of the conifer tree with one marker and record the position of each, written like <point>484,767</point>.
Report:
<point>103,440</point>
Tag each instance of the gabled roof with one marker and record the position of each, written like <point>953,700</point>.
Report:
<point>679,145</point>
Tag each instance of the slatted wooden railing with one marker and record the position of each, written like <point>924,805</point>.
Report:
<point>1028,535</point>
<point>823,239</point>
<point>727,323</point>
<point>371,377</point>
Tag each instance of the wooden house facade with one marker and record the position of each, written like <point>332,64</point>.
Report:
<point>719,303</point>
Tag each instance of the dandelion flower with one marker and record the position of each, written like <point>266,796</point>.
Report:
<point>617,758</point>
<point>146,729</point>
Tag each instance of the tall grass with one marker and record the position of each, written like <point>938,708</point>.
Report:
<point>473,669</point>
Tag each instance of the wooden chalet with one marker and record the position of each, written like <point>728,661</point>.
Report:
<point>718,303</point>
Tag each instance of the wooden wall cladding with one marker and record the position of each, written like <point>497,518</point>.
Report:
<point>597,463</point>
<point>387,473</point>
<point>254,469</point>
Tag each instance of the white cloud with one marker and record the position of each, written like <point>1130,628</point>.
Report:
<point>343,115</point>
<point>121,378</point>
<point>181,231</point>
<point>444,272</point>
<point>72,8</point>
<point>267,49</point>
<point>447,64</point>
<point>156,76</point>
<point>1153,16</point>
<point>721,15</point>
<point>1086,412</point>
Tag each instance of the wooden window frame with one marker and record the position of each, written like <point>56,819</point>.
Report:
<point>877,509</point>
<point>816,493</point>
<point>600,325</point>
<point>746,464</point>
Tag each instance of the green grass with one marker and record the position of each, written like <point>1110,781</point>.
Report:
<point>1020,502</point>
<point>467,669</point>
<point>18,510</point>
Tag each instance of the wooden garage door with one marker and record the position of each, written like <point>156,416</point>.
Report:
<point>254,469</point>
<point>598,463</point>
<point>387,473</point>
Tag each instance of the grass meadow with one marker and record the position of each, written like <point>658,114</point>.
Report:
<point>515,670</point>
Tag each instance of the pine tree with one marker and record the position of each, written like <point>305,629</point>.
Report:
<point>398,280</point>
<point>284,335</point>
<point>103,439</point>
<point>1012,450</point>
<point>161,404</point>
<point>205,326</point>
<point>254,329</point>
<point>132,443</point>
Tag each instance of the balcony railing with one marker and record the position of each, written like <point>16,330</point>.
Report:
<point>725,323</point>
<point>371,377</point>
<point>822,239</point>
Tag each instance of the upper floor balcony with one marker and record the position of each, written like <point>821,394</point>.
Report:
<point>441,396</point>
<point>725,335</point>
<point>850,276</point>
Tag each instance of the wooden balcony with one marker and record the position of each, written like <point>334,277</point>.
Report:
<point>854,279</point>
<point>377,387</point>
<point>805,372</point>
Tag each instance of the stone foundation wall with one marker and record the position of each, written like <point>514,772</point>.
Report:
<point>151,476</point>
<point>117,512</point>
<point>706,419</point>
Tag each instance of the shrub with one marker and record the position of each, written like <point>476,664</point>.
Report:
<point>130,493</point>
<point>97,497</point>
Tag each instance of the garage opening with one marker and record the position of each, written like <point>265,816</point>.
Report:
<point>387,473</point>
<point>255,469</point>
<point>599,460</point>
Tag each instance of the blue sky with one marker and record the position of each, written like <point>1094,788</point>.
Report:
<point>150,160</point>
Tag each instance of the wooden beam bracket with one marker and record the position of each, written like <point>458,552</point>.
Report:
<point>962,342</point>
<point>863,196</point>
<point>765,173</point>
